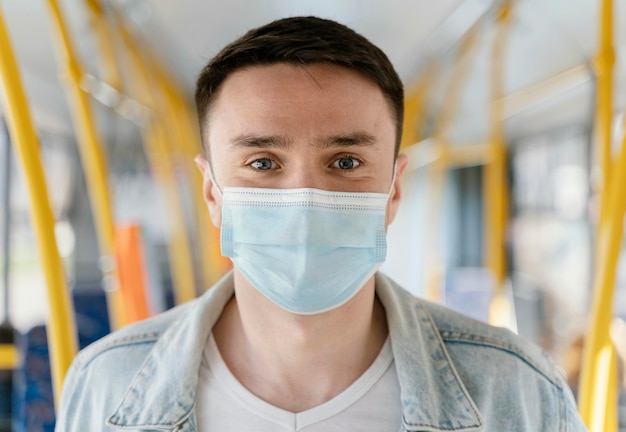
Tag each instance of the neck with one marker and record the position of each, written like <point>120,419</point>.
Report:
<point>276,354</point>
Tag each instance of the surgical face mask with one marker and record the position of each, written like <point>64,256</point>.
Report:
<point>307,250</point>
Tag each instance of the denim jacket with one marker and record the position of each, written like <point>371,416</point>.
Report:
<point>455,374</point>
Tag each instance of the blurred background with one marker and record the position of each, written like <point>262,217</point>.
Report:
<point>513,211</point>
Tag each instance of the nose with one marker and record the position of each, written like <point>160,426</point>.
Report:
<point>303,174</point>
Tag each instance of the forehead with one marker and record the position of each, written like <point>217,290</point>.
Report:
<point>282,92</point>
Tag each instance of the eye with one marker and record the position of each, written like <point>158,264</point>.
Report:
<point>346,163</point>
<point>263,164</point>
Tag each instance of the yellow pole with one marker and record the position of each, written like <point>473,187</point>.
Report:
<point>604,62</point>
<point>156,141</point>
<point>598,380</point>
<point>495,178</point>
<point>414,104</point>
<point>437,170</point>
<point>218,264</point>
<point>103,31</point>
<point>213,264</point>
<point>93,159</point>
<point>598,392</point>
<point>61,327</point>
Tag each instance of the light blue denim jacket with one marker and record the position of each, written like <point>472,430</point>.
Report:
<point>455,374</point>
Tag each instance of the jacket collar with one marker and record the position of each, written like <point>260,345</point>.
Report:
<point>162,394</point>
<point>433,396</point>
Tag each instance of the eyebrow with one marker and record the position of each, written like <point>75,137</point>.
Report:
<point>359,138</point>
<point>261,141</point>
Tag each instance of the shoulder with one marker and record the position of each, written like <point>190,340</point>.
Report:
<point>456,329</point>
<point>496,365</point>
<point>134,336</point>
<point>509,379</point>
<point>101,373</point>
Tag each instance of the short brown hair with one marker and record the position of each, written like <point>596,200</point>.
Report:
<point>301,41</point>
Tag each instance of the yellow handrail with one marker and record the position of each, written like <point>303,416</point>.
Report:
<point>214,265</point>
<point>437,169</point>
<point>604,62</point>
<point>104,34</point>
<point>61,327</point>
<point>93,160</point>
<point>156,140</point>
<point>9,357</point>
<point>598,380</point>
<point>414,104</point>
<point>494,176</point>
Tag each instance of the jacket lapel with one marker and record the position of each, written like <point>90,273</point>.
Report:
<point>433,396</point>
<point>163,392</point>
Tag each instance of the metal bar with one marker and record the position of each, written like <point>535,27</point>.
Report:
<point>495,178</point>
<point>532,95</point>
<point>213,264</point>
<point>598,397</point>
<point>108,89</point>
<point>598,391</point>
<point>414,108</point>
<point>9,356</point>
<point>104,34</point>
<point>189,147</point>
<point>156,139</point>
<point>5,199</point>
<point>132,285</point>
<point>470,154</point>
<point>458,81</point>
<point>604,63</point>
<point>61,327</point>
<point>439,166</point>
<point>93,160</point>
<point>121,103</point>
<point>219,264</point>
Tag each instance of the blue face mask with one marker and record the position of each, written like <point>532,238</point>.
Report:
<point>307,250</point>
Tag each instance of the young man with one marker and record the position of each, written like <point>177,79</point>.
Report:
<point>301,121</point>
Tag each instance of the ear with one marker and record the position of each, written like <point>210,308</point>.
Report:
<point>396,190</point>
<point>209,191</point>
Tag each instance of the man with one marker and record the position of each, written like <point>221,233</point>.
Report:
<point>301,122</point>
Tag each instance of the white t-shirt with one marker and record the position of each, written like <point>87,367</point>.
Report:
<point>372,402</point>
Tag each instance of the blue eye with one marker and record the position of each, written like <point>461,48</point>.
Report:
<point>346,163</point>
<point>263,164</point>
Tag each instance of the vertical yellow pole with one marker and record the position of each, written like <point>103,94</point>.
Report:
<point>414,104</point>
<point>437,170</point>
<point>495,178</point>
<point>189,145</point>
<point>104,34</point>
<point>157,140</point>
<point>93,159</point>
<point>598,380</point>
<point>598,390</point>
<point>219,264</point>
<point>604,62</point>
<point>61,328</point>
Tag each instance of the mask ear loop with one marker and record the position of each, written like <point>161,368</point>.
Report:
<point>209,172</point>
<point>393,179</point>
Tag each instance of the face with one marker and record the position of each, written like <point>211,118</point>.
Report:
<point>317,126</point>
